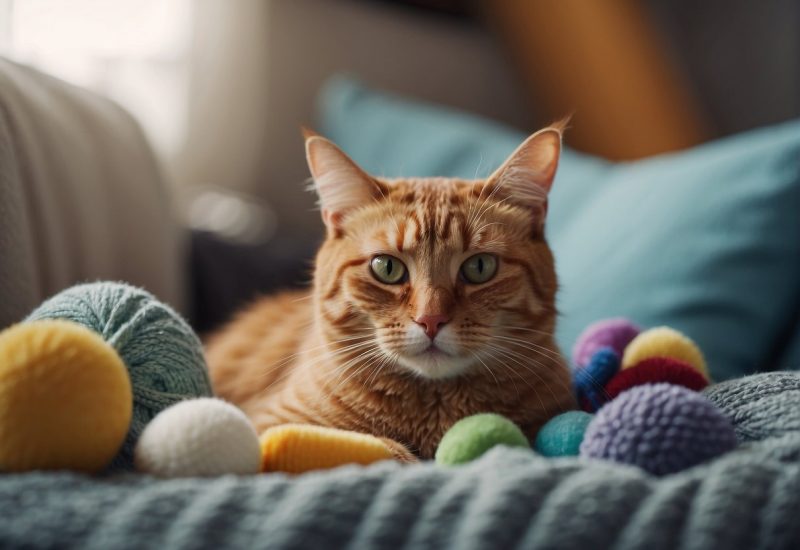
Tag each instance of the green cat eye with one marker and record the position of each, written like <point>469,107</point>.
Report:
<point>388,269</point>
<point>479,268</point>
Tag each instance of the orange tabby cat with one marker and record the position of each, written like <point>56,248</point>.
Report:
<point>433,299</point>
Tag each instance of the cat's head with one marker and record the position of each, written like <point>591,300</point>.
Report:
<point>437,276</point>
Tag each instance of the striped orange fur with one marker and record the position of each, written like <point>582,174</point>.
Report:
<point>404,360</point>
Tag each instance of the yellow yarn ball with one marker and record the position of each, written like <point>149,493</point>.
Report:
<point>664,342</point>
<point>65,398</point>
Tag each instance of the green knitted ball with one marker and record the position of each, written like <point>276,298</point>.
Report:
<point>472,436</point>
<point>563,434</point>
<point>162,353</point>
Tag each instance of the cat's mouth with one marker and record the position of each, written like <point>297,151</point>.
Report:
<point>434,351</point>
<point>434,362</point>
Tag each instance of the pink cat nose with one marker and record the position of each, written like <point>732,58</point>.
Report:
<point>432,323</point>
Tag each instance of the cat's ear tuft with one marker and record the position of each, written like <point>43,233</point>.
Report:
<point>308,133</point>
<point>340,183</point>
<point>526,176</point>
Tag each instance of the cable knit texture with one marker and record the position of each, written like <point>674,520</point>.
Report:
<point>163,355</point>
<point>761,406</point>
<point>508,498</point>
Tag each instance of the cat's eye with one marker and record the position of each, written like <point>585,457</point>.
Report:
<point>388,269</point>
<point>479,268</point>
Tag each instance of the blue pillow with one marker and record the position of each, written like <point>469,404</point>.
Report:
<point>706,241</point>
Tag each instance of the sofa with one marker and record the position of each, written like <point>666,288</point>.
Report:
<point>82,198</point>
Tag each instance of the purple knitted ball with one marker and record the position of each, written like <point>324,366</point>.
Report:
<point>662,428</point>
<point>615,333</point>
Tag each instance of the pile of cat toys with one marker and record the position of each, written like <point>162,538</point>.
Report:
<point>640,392</point>
<point>104,377</point>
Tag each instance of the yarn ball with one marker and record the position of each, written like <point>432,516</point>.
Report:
<point>654,370</point>
<point>163,355</point>
<point>662,428</point>
<point>761,406</point>
<point>563,434</point>
<point>65,398</point>
<point>590,380</point>
<point>472,436</point>
<point>199,438</point>
<point>615,333</point>
<point>664,342</point>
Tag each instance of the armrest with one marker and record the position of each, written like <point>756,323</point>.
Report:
<point>81,196</point>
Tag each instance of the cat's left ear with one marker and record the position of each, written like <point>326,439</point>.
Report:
<point>341,184</point>
<point>525,178</point>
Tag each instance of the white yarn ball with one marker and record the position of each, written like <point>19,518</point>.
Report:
<point>199,437</point>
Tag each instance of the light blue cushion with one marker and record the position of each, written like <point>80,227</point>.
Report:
<point>706,241</point>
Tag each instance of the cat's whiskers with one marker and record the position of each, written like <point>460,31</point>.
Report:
<point>526,329</point>
<point>389,358</point>
<point>534,359</point>
<point>289,358</point>
<point>552,353</point>
<point>545,383</point>
<point>565,385</point>
<point>478,357</point>
<point>327,355</point>
<point>480,230</point>
<point>505,354</point>
<point>485,208</point>
<point>330,349</point>
<point>488,203</point>
<point>494,360</point>
<point>324,383</point>
<point>478,203</point>
<point>367,358</point>
<point>478,168</point>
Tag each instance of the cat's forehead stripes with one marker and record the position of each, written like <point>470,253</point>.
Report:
<point>430,213</point>
<point>424,231</point>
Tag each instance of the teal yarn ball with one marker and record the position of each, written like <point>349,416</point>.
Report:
<point>563,434</point>
<point>163,355</point>
<point>472,436</point>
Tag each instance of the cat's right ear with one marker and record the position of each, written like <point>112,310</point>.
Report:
<point>340,183</point>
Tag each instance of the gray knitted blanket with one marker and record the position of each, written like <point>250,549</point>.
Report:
<point>508,499</point>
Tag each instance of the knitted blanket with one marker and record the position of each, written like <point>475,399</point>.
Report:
<point>749,498</point>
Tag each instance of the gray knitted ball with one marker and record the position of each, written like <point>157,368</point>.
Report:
<point>761,406</point>
<point>662,428</point>
<point>162,353</point>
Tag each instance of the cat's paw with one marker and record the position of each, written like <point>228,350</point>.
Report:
<point>400,452</point>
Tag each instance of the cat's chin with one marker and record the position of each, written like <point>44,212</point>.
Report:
<point>435,364</point>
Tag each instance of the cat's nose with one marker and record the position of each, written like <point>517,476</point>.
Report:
<point>432,323</point>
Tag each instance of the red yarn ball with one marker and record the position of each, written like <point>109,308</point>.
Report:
<point>655,370</point>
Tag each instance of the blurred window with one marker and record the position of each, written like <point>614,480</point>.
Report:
<point>133,51</point>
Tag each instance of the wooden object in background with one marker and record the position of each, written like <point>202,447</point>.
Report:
<point>602,61</point>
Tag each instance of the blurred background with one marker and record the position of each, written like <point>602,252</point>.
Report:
<point>221,88</point>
